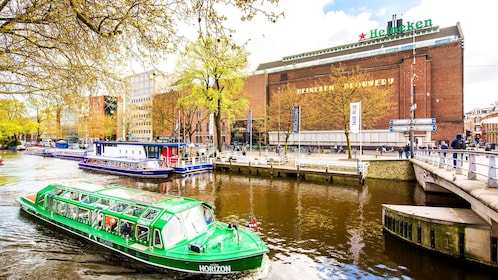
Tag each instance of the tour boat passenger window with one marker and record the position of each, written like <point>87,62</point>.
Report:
<point>208,214</point>
<point>52,205</point>
<point>119,207</point>
<point>41,201</point>
<point>135,211</point>
<point>84,198</point>
<point>97,218</point>
<point>75,196</point>
<point>157,239</point>
<point>126,228</point>
<point>61,208</point>
<point>71,211</point>
<point>83,215</point>
<point>67,194</point>
<point>105,201</point>
<point>142,233</point>
<point>93,199</point>
<point>57,191</point>
<point>150,214</point>
<point>111,223</point>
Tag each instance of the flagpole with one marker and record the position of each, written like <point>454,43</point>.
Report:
<point>177,127</point>
<point>299,134</point>
<point>360,122</point>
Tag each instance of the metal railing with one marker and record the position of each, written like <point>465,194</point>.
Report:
<point>360,167</point>
<point>253,159</point>
<point>478,165</point>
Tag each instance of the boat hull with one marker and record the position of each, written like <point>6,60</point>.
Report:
<point>154,174</point>
<point>194,168</point>
<point>141,253</point>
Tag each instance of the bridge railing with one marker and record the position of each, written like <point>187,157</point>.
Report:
<point>478,165</point>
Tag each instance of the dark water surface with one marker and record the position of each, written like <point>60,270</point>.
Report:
<point>314,230</point>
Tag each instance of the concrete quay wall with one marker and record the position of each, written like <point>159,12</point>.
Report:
<point>391,169</point>
<point>381,167</point>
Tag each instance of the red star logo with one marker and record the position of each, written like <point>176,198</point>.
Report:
<point>362,36</point>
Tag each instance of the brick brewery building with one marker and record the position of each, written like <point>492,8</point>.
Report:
<point>432,56</point>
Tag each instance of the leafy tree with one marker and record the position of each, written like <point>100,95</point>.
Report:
<point>13,118</point>
<point>214,70</point>
<point>351,85</point>
<point>72,46</point>
<point>42,113</point>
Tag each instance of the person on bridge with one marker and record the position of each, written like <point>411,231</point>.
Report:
<point>458,144</point>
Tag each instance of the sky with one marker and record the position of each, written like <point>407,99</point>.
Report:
<point>318,24</point>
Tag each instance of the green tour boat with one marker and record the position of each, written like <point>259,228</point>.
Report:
<point>170,232</point>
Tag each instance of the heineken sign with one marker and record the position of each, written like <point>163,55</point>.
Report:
<point>407,27</point>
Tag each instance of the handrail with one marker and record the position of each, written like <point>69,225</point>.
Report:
<point>251,159</point>
<point>360,167</point>
<point>479,165</point>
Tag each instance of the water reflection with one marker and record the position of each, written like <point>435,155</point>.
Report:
<point>314,230</point>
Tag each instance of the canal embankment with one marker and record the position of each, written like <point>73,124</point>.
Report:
<point>328,167</point>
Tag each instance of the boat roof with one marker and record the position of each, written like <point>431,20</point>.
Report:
<point>169,203</point>
<point>144,144</point>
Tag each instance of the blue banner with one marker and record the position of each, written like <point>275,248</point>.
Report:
<point>296,111</point>
<point>249,125</point>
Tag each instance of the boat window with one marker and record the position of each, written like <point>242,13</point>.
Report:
<point>111,224</point>
<point>157,239</point>
<point>173,232</point>
<point>92,199</point>
<point>150,214</point>
<point>105,201</point>
<point>135,211</point>
<point>70,195</point>
<point>126,228</point>
<point>194,221</point>
<point>41,201</point>
<point>83,215</point>
<point>150,164</point>
<point>71,211</point>
<point>97,218</point>
<point>88,199</point>
<point>52,204</point>
<point>56,191</point>
<point>119,207</point>
<point>208,214</point>
<point>61,208</point>
<point>142,233</point>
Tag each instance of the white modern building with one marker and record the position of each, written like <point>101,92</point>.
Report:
<point>136,106</point>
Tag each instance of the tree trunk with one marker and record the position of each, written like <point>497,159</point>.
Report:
<point>348,142</point>
<point>217,122</point>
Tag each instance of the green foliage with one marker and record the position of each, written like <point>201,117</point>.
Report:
<point>74,47</point>
<point>213,70</point>
<point>350,85</point>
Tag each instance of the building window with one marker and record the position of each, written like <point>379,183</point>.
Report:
<point>283,77</point>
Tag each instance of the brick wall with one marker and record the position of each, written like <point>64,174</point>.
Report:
<point>438,85</point>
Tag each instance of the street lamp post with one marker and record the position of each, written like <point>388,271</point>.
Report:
<point>413,106</point>
<point>278,102</point>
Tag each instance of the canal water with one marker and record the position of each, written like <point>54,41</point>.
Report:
<point>314,230</point>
